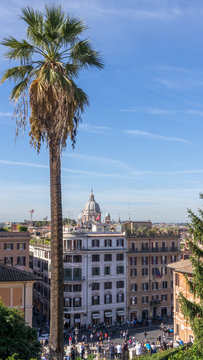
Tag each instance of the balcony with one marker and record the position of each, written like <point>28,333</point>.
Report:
<point>153,250</point>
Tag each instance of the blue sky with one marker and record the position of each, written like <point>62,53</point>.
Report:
<point>140,143</point>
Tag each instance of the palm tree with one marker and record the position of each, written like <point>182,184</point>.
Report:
<point>49,61</point>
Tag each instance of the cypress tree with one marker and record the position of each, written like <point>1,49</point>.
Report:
<point>193,310</point>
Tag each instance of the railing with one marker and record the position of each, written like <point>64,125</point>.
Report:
<point>154,250</point>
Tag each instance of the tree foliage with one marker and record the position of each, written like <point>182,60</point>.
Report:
<point>193,310</point>
<point>16,337</point>
<point>50,60</point>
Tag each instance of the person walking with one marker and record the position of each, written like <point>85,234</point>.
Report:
<point>125,350</point>
<point>119,351</point>
<point>111,351</point>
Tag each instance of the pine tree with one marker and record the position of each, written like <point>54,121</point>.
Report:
<point>193,311</point>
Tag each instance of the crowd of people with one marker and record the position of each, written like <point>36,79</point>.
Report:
<point>105,345</point>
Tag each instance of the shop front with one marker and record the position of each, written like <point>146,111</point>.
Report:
<point>95,318</point>
<point>120,316</point>
<point>108,317</point>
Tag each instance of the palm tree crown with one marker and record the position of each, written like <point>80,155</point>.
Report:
<point>50,59</point>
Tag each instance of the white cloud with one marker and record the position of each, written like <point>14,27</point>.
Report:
<point>94,129</point>
<point>21,163</point>
<point>96,159</point>
<point>6,114</point>
<point>154,136</point>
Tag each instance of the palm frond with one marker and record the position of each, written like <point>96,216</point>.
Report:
<point>83,54</point>
<point>16,73</point>
<point>81,97</point>
<point>20,50</point>
<point>54,20</point>
<point>35,29</point>
<point>19,89</point>
<point>71,29</point>
<point>72,70</point>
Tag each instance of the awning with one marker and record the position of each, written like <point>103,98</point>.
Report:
<point>96,316</point>
<point>108,314</point>
<point>120,312</point>
<point>77,320</point>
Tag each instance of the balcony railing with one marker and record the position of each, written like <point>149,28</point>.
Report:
<point>154,250</point>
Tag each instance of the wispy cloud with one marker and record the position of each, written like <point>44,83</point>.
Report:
<point>94,129</point>
<point>179,83</point>
<point>155,136</point>
<point>97,159</point>
<point>5,114</point>
<point>152,111</point>
<point>21,163</point>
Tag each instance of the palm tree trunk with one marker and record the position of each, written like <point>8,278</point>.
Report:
<point>56,304</point>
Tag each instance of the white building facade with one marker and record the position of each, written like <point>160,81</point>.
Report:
<point>94,277</point>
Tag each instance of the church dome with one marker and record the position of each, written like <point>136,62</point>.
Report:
<point>91,206</point>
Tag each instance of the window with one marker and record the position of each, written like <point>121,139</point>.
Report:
<point>155,286</point>
<point>144,260</point>
<point>173,245</point>
<point>67,258</point>
<point>95,258</point>
<point>163,246</point>
<point>119,257</point>
<point>95,271</point>
<point>67,302</point>
<point>155,297</point>
<point>67,273</point>
<point>77,244</point>
<point>120,297</point>
<point>164,260</point>
<point>164,270</point>
<point>133,260</point>
<point>107,270</point>
<point>95,286</point>
<point>45,265</point>
<point>69,245</point>
<point>164,284</point>
<point>172,283</point>
<point>107,285</point>
<point>21,260</point>
<point>133,300</point>
<point>119,270</point>
<point>164,297</point>
<point>108,243</point>
<point>67,288</point>
<point>177,278</point>
<point>133,246</point>
<point>177,329</point>
<point>145,246</point>
<point>95,300</point>
<point>133,272</point>
<point>177,305</point>
<point>120,284</point>
<point>145,286</point>
<point>77,288</point>
<point>173,258</point>
<point>145,299</point>
<point>77,258</point>
<point>108,257</point>
<point>154,260</point>
<point>95,243</point>
<point>134,287</point>
<point>77,274</point>
<point>120,242</point>
<point>21,246</point>
<point>108,299</point>
<point>8,246</point>
<point>77,302</point>
<point>144,271</point>
<point>8,260</point>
